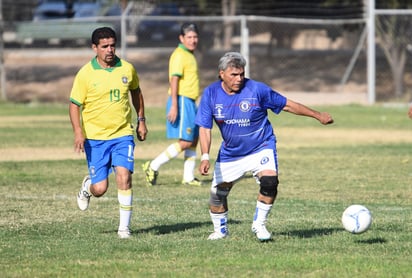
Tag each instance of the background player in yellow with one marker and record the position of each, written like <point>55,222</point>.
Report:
<point>101,117</point>
<point>181,109</point>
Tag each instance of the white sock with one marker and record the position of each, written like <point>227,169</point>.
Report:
<point>86,186</point>
<point>125,198</point>
<point>219,221</point>
<point>261,213</point>
<point>189,165</point>
<point>171,152</point>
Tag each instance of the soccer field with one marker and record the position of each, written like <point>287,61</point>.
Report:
<point>365,158</point>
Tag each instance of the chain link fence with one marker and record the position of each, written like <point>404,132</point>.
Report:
<point>291,56</point>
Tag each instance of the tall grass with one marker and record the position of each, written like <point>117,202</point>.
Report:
<point>365,157</point>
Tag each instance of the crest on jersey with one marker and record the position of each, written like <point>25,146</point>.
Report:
<point>244,106</point>
<point>219,108</point>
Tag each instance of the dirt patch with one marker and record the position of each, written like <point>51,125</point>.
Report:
<point>295,138</point>
<point>47,75</point>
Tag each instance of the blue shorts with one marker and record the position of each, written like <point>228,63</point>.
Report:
<point>103,155</point>
<point>184,127</point>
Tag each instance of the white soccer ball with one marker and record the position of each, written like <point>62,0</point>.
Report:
<point>356,219</point>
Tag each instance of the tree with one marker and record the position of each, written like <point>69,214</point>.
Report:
<point>393,33</point>
<point>228,9</point>
<point>393,36</point>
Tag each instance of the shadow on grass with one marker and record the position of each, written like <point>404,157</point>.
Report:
<point>174,228</point>
<point>179,227</point>
<point>327,232</point>
<point>311,233</point>
<point>377,240</point>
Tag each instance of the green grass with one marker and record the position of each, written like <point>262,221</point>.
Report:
<point>365,157</point>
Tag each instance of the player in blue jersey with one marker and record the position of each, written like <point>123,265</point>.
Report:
<point>239,107</point>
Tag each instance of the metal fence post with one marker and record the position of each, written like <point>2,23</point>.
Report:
<point>244,43</point>
<point>371,52</point>
<point>2,68</point>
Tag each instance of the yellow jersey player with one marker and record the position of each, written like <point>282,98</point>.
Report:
<point>181,109</point>
<point>101,117</point>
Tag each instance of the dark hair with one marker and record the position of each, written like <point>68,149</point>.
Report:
<point>187,27</point>
<point>103,33</point>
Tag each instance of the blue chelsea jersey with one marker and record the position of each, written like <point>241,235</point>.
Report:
<point>241,117</point>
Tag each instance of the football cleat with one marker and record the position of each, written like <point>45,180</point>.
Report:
<point>124,233</point>
<point>151,175</point>
<point>83,197</point>
<point>194,182</point>
<point>218,235</point>
<point>261,232</point>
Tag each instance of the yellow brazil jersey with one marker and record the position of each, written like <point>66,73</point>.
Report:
<point>104,97</point>
<point>183,63</point>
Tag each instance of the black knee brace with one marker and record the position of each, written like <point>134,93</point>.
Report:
<point>269,186</point>
<point>218,197</point>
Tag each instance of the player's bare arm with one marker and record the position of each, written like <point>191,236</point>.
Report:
<point>74,113</point>
<point>205,138</point>
<point>302,110</point>
<point>174,110</point>
<point>138,104</point>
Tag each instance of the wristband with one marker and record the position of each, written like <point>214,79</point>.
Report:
<point>141,119</point>
<point>204,156</point>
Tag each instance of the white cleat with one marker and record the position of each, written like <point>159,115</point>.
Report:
<point>83,197</point>
<point>124,233</point>
<point>217,235</point>
<point>261,232</point>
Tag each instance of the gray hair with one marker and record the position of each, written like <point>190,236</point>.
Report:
<point>233,60</point>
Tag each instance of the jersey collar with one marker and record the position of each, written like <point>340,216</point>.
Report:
<point>181,45</point>
<point>95,64</point>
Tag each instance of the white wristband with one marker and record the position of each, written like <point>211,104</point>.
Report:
<point>204,156</point>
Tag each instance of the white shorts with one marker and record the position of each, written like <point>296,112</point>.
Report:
<point>234,170</point>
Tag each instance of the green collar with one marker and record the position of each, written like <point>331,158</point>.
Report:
<point>184,47</point>
<point>96,65</point>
